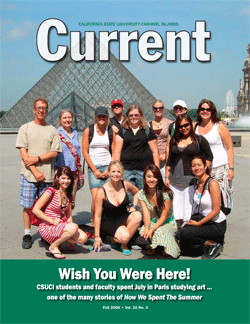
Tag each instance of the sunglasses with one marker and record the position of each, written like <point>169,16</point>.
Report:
<point>117,106</point>
<point>205,109</point>
<point>135,116</point>
<point>184,126</point>
<point>41,108</point>
<point>158,108</point>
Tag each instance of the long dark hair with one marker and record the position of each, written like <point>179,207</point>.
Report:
<point>178,135</point>
<point>201,157</point>
<point>64,170</point>
<point>214,117</point>
<point>160,187</point>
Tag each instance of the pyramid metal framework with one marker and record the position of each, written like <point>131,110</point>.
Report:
<point>81,87</point>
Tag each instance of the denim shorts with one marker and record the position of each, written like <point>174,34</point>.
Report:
<point>135,177</point>
<point>97,183</point>
<point>29,191</point>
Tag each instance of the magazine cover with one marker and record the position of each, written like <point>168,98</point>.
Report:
<point>70,68</point>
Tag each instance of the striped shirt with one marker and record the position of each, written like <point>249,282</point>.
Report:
<point>48,231</point>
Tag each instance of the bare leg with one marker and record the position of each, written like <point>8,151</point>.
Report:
<point>74,191</point>
<point>80,237</point>
<point>26,219</point>
<point>93,193</point>
<point>209,243</point>
<point>133,222</point>
<point>126,231</point>
<point>69,230</point>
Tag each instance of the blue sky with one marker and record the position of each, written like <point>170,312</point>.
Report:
<point>228,22</point>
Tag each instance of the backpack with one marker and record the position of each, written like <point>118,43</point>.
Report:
<point>171,129</point>
<point>110,134</point>
<point>91,135</point>
<point>226,200</point>
<point>34,220</point>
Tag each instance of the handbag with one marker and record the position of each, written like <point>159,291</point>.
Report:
<point>34,220</point>
<point>79,174</point>
<point>198,216</point>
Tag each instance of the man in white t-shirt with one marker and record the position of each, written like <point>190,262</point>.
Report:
<point>38,144</point>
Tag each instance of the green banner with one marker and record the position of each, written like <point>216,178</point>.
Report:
<point>124,291</point>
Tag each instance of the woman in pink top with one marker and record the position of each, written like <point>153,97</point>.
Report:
<point>57,226</point>
<point>160,126</point>
<point>220,141</point>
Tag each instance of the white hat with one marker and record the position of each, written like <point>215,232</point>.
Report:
<point>180,103</point>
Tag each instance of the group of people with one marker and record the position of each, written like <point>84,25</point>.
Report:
<point>129,161</point>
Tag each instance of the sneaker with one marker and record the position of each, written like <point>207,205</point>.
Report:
<point>136,247</point>
<point>27,242</point>
<point>213,251</point>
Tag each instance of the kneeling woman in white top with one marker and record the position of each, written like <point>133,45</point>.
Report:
<point>211,229</point>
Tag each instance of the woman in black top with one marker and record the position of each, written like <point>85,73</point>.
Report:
<point>136,146</point>
<point>183,145</point>
<point>112,215</point>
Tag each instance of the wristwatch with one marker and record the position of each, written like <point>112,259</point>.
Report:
<point>39,159</point>
<point>231,168</point>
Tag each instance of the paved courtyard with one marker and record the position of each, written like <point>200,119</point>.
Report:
<point>237,235</point>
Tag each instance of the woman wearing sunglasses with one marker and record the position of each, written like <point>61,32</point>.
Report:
<point>219,138</point>
<point>183,145</point>
<point>160,126</point>
<point>136,146</point>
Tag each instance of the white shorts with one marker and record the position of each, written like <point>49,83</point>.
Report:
<point>182,202</point>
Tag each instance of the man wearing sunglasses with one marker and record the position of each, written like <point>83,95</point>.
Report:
<point>39,144</point>
<point>117,108</point>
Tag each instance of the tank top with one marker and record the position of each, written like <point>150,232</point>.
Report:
<point>99,149</point>
<point>206,205</point>
<point>217,147</point>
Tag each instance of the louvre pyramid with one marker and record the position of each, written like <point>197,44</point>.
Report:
<point>92,83</point>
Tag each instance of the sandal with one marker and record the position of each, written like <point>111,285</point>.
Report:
<point>126,252</point>
<point>60,255</point>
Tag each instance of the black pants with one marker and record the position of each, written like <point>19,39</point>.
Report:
<point>197,235</point>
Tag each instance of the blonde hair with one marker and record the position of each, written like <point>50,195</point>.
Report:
<point>158,101</point>
<point>118,164</point>
<point>126,122</point>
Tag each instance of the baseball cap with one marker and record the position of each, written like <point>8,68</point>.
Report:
<point>180,103</point>
<point>116,101</point>
<point>101,111</point>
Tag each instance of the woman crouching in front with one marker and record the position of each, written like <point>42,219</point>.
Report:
<point>112,216</point>
<point>210,227</point>
<point>57,226</point>
<point>156,204</point>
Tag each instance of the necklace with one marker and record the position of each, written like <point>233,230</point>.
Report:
<point>63,199</point>
<point>159,125</point>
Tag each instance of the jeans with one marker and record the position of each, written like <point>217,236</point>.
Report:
<point>135,177</point>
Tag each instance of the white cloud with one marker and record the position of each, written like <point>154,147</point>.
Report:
<point>18,32</point>
<point>245,11</point>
